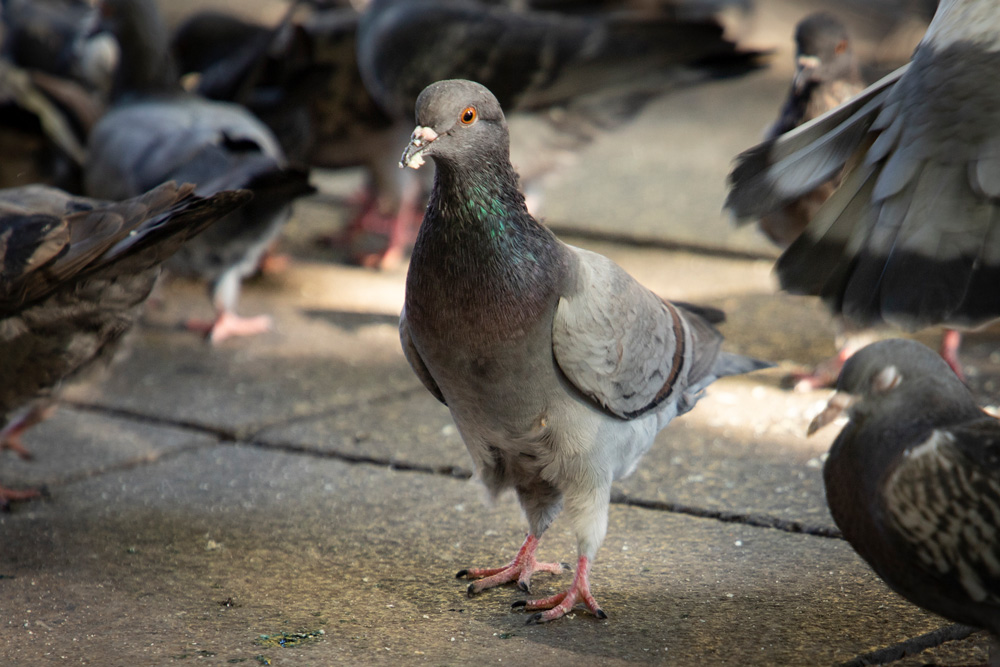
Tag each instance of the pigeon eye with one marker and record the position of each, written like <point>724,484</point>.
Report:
<point>469,116</point>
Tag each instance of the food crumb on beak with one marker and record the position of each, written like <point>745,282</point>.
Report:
<point>419,140</point>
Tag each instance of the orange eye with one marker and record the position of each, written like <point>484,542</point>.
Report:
<point>469,115</point>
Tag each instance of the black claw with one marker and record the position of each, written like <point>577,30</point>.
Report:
<point>461,573</point>
<point>519,603</point>
<point>534,619</point>
<point>567,567</point>
<point>471,590</point>
<point>600,614</point>
<point>524,587</point>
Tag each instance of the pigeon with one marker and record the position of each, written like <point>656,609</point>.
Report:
<point>913,480</point>
<point>586,72</point>
<point>909,238</point>
<point>56,63</point>
<point>826,76</point>
<point>558,367</point>
<point>157,132</point>
<point>74,273</point>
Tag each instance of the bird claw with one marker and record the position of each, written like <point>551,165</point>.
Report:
<point>462,573</point>
<point>518,603</point>
<point>524,586</point>
<point>471,590</point>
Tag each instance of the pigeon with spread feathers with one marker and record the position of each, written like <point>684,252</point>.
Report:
<point>913,480</point>
<point>910,237</point>
<point>558,367</point>
<point>74,273</point>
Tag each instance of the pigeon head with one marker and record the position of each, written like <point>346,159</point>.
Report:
<point>823,50</point>
<point>877,372</point>
<point>456,120</point>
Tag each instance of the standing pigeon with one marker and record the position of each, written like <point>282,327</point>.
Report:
<point>558,367</point>
<point>911,236</point>
<point>156,132</point>
<point>913,480</point>
<point>74,273</point>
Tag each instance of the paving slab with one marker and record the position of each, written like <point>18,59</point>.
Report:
<point>319,356</point>
<point>75,444</point>
<point>210,555</point>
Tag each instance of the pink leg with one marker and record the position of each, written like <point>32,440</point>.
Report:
<point>521,568</point>
<point>825,373</point>
<point>10,436</point>
<point>229,324</point>
<point>8,496</point>
<point>951,341</point>
<point>560,604</point>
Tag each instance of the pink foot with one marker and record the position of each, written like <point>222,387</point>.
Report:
<point>10,436</point>
<point>824,375</point>
<point>230,324</point>
<point>274,263</point>
<point>521,569</point>
<point>951,341</point>
<point>560,604</point>
<point>8,496</point>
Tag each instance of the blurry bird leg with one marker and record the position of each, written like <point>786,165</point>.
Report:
<point>402,227</point>
<point>521,569</point>
<point>273,262</point>
<point>225,293</point>
<point>560,604</point>
<point>951,340</point>
<point>8,496</point>
<point>10,436</point>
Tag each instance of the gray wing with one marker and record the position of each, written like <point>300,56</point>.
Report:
<point>776,172</point>
<point>416,363</point>
<point>911,237</point>
<point>944,501</point>
<point>623,346</point>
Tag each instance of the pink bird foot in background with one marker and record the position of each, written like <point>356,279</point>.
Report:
<point>560,604</point>
<point>521,569</point>
<point>229,324</point>
<point>10,436</point>
<point>8,496</point>
<point>951,340</point>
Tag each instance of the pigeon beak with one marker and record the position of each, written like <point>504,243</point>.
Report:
<point>805,67</point>
<point>839,403</point>
<point>421,138</point>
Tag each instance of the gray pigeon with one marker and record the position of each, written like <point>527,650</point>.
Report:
<point>74,273</point>
<point>911,236</point>
<point>913,480</point>
<point>558,367</point>
<point>156,132</point>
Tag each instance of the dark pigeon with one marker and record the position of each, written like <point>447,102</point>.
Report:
<point>156,132</point>
<point>913,480</point>
<point>558,367</point>
<point>74,273</point>
<point>586,72</point>
<point>56,64</point>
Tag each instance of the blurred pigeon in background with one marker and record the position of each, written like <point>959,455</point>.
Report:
<point>156,132</point>
<point>558,367</point>
<point>910,237</point>
<point>588,71</point>
<point>56,66</point>
<point>74,275</point>
<point>913,480</point>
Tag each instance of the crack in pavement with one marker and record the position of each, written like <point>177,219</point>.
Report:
<point>248,436</point>
<point>911,646</point>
